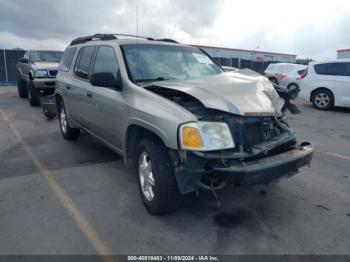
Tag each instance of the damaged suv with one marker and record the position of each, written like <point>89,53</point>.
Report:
<point>175,115</point>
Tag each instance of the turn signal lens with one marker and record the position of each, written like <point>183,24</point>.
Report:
<point>191,137</point>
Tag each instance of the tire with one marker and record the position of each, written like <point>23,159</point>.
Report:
<point>67,132</point>
<point>292,86</point>
<point>33,95</point>
<point>21,87</point>
<point>322,99</point>
<point>153,158</point>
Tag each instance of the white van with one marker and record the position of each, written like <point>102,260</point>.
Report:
<point>327,84</point>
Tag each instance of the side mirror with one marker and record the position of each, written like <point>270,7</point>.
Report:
<point>23,60</point>
<point>106,79</point>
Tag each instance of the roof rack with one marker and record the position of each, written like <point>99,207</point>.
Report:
<point>84,39</point>
<point>106,37</point>
<point>166,40</point>
<point>136,36</point>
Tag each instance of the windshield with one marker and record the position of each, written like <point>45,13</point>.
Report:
<point>45,56</point>
<point>164,62</point>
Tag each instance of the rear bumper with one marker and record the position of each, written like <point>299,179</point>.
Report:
<point>266,170</point>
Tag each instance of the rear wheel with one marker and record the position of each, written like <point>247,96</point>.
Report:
<point>22,92</point>
<point>33,95</point>
<point>66,131</point>
<point>322,99</point>
<point>292,86</point>
<point>157,183</point>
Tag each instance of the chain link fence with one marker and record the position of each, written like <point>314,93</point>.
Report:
<point>8,61</point>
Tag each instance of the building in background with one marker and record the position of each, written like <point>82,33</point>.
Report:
<point>8,61</point>
<point>344,53</point>
<point>242,58</point>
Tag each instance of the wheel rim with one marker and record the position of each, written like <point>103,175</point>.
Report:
<point>146,176</point>
<point>63,120</point>
<point>322,100</point>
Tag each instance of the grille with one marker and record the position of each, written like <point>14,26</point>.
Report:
<point>253,134</point>
<point>52,73</point>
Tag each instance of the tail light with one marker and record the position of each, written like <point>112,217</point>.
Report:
<point>304,74</point>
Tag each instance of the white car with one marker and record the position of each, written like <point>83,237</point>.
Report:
<point>327,84</point>
<point>229,69</point>
<point>285,74</point>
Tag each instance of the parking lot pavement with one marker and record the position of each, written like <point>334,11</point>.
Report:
<point>60,197</point>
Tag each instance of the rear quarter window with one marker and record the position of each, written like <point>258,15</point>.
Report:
<point>331,69</point>
<point>67,59</point>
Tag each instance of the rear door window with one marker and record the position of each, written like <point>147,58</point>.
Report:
<point>84,61</point>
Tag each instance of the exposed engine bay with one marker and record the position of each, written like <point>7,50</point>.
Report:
<point>253,135</point>
<point>265,147</point>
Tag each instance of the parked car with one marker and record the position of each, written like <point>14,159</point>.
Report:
<point>327,84</point>
<point>285,74</point>
<point>229,68</point>
<point>176,116</point>
<point>36,73</point>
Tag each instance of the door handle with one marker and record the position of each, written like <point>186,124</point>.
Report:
<point>68,87</point>
<point>89,94</point>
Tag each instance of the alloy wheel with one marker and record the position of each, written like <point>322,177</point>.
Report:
<point>322,100</point>
<point>146,176</point>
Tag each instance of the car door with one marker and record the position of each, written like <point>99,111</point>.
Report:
<point>343,85</point>
<point>79,89</point>
<point>109,103</point>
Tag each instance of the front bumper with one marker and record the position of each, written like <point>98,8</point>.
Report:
<point>268,169</point>
<point>44,83</point>
<point>195,174</point>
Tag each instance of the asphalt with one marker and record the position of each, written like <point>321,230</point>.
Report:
<point>306,214</point>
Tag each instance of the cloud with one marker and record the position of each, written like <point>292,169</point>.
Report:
<point>305,28</point>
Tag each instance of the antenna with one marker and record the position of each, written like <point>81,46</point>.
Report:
<point>137,42</point>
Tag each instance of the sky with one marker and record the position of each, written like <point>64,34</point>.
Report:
<point>310,29</point>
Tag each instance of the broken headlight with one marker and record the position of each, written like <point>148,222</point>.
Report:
<point>205,136</point>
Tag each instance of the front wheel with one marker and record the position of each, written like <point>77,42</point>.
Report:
<point>22,92</point>
<point>66,131</point>
<point>33,95</point>
<point>322,99</point>
<point>157,183</point>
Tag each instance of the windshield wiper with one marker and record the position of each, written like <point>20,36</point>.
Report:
<point>161,78</point>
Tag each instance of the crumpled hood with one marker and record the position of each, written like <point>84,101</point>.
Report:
<point>232,92</point>
<point>45,65</point>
